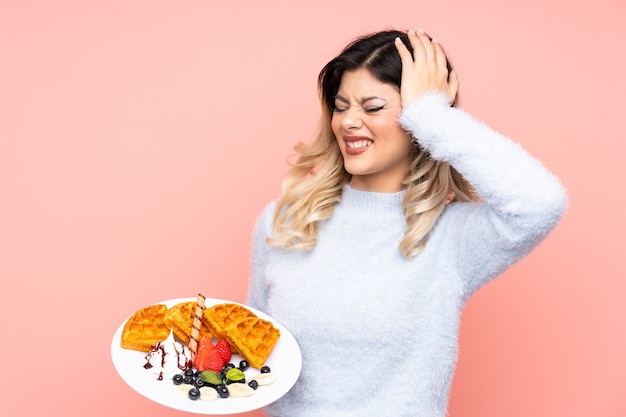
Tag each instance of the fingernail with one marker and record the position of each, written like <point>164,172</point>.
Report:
<point>420,31</point>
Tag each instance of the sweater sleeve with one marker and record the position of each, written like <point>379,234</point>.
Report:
<point>521,200</point>
<point>257,289</point>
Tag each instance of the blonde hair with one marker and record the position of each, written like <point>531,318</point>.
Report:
<point>428,184</point>
<point>313,184</point>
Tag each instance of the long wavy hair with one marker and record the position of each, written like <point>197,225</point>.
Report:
<point>313,184</point>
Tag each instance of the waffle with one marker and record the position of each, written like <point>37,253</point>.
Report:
<point>181,316</point>
<point>254,339</point>
<point>220,316</point>
<point>146,328</point>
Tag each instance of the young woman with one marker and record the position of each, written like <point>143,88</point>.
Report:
<point>392,217</point>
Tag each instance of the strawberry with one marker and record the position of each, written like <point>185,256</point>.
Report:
<point>223,348</point>
<point>213,362</point>
<point>205,346</point>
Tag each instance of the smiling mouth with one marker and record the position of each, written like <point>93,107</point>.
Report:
<point>358,144</point>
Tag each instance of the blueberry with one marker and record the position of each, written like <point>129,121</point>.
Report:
<point>243,365</point>
<point>189,372</point>
<point>222,391</point>
<point>178,379</point>
<point>228,366</point>
<point>188,380</point>
<point>240,381</point>
<point>265,370</point>
<point>199,383</point>
<point>253,384</point>
<point>194,394</point>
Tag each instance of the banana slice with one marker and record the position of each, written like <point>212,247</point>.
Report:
<point>182,390</point>
<point>264,379</point>
<point>240,390</point>
<point>208,394</point>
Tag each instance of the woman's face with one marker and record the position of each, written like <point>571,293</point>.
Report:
<point>375,148</point>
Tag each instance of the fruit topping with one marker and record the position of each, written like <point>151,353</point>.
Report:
<point>194,394</point>
<point>244,365</point>
<point>178,379</point>
<point>222,391</point>
<point>266,378</point>
<point>208,394</point>
<point>182,391</point>
<point>240,390</point>
<point>212,361</point>
<point>205,347</point>
<point>223,348</point>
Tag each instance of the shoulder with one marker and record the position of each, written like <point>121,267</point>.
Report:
<point>266,217</point>
<point>269,209</point>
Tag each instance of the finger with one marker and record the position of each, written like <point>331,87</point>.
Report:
<point>419,54</point>
<point>427,46</point>
<point>440,58</point>
<point>403,51</point>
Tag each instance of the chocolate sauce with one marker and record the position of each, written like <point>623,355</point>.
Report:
<point>160,347</point>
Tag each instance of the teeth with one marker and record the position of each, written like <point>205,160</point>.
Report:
<point>358,144</point>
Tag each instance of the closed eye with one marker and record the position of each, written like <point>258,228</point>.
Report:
<point>374,109</point>
<point>341,104</point>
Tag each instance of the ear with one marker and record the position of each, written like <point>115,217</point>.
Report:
<point>450,197</point>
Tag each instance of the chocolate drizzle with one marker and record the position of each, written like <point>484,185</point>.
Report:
<point>182,361</point>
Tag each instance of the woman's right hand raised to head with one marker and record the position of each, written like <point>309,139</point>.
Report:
<point>426,70</point>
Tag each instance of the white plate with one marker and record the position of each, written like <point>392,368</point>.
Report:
<point>285,362</point>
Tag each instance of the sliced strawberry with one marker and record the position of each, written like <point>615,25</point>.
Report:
<point>204,347</point>
<point>213,362</point>
<point>223,348</point>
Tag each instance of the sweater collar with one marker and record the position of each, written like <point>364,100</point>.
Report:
<point>370,200</point>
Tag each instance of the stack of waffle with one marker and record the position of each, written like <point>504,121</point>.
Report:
<point>250,336</point>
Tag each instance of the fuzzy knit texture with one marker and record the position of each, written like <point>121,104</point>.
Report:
<point>378,331</point>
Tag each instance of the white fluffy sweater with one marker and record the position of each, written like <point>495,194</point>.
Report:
<point>378,332</point>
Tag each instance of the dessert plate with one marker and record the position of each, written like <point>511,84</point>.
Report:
<point>285,362</point>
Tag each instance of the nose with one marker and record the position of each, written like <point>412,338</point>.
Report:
<point>351,118</point>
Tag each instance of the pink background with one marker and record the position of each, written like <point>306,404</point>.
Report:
<point>140,139</point>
